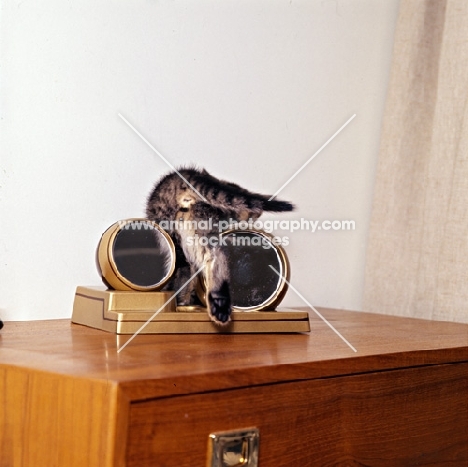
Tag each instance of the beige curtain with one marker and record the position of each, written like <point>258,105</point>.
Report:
<point>417,256</point>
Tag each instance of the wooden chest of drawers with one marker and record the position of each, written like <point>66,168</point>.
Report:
<point>68,398</point>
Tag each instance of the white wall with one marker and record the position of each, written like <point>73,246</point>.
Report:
<point>250,89</point>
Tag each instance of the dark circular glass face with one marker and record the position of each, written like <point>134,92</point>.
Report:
<point>142,254</point>
<point>249,256</point>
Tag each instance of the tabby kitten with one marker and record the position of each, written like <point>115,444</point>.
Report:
<point>191,195</point>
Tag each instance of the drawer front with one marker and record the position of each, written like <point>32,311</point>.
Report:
<point>394,418</point>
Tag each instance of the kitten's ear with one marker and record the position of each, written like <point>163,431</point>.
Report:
<point>204,172</point>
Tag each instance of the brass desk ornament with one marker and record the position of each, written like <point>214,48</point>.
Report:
<point>136,258</point>
<point>255,286</point>
<point>135,254</point>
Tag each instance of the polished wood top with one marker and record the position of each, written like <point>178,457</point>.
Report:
<point>159,365</point>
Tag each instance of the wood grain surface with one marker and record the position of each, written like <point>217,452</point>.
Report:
<point>162,365</point>
<point>68,397</point>
<point>412,417</point>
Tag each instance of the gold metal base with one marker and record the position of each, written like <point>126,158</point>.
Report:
<point>125,312</point>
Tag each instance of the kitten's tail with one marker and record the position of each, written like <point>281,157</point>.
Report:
<point>275,205</point>
<point>220,193</point>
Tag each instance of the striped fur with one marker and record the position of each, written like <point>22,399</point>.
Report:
<point>195,195</point>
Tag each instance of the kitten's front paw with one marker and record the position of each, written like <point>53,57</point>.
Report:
<point>219,305</point>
